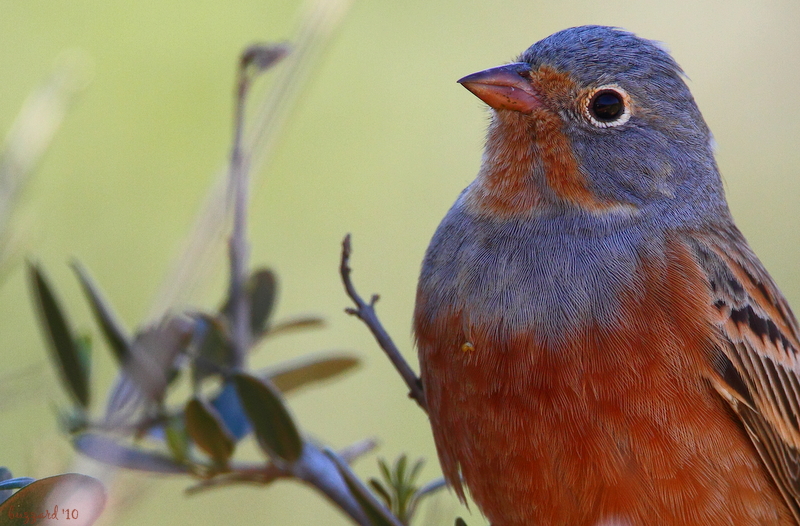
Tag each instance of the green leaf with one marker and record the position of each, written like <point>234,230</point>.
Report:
<point>214,353</point>
<point>83,344</point>
<point>107,451</point>
<point>72,496</point>
<point>385,471</point>
<point>273,425</point>
<point>206,429</point>
<point>295,324</point>
<point>66,351</point>
<point>415,470</point>
<point>407,491</point>
<point>376,485</point>
<point>113,331</point>
<point>293,375</point>
<point>400,470</point>
<point>261,291</point>
<point>402,488</point>
<point>177,439</point>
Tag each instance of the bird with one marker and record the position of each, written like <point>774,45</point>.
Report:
<point>598,343</point>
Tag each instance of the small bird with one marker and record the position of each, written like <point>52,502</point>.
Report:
<point>598,344</point>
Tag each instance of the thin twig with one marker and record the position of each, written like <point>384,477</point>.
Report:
<point>366,313</point>
<point>238,247</point>
<point>255,59</point>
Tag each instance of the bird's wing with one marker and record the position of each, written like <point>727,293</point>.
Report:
<point>758,362</point>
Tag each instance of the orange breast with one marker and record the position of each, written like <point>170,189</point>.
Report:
<point>615,426</point>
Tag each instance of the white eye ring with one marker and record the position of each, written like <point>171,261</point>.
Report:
<point>590,107</point>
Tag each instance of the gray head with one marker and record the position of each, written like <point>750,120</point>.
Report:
<point>620,105</point>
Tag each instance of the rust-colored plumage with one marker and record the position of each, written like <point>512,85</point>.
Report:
<point>620,423</point>
<point>598,344</point>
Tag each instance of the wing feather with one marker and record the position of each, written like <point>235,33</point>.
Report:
<point>760,340</point>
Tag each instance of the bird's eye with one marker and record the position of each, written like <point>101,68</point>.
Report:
<point>608,106</point>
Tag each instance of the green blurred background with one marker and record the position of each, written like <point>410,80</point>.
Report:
<point>380,144</point>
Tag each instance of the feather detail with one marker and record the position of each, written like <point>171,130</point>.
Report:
<point>616,420</point>
<point>760,339</point>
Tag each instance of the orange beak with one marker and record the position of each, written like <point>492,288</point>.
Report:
<point>504,87</point>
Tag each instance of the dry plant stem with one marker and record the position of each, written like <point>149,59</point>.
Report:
<point>254,60</point>
<point>314,467</point>
<point>238,243</point>
<point>366,313</point>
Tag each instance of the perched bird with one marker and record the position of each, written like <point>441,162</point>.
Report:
<point>598,344</point>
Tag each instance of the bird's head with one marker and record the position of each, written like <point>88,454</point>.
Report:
<point>592,119</point>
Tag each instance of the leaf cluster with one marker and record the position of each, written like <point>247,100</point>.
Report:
<point>200,434</point>
<point>143,427</point>
<point>142,430</point>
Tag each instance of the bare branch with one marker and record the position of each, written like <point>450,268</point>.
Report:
<point>255,59</point>
<point>366,313</point>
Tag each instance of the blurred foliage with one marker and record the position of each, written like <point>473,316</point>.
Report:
<point>399,489</point>
<point>81,498</point>
<point>154,359</point>
<point>70,353</point>
<point>144,429</point>
<point>141,430</point>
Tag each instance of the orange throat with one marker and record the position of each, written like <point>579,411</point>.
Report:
<point>528,163</point>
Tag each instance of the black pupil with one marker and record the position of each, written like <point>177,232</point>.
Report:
<point>607,106</point>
